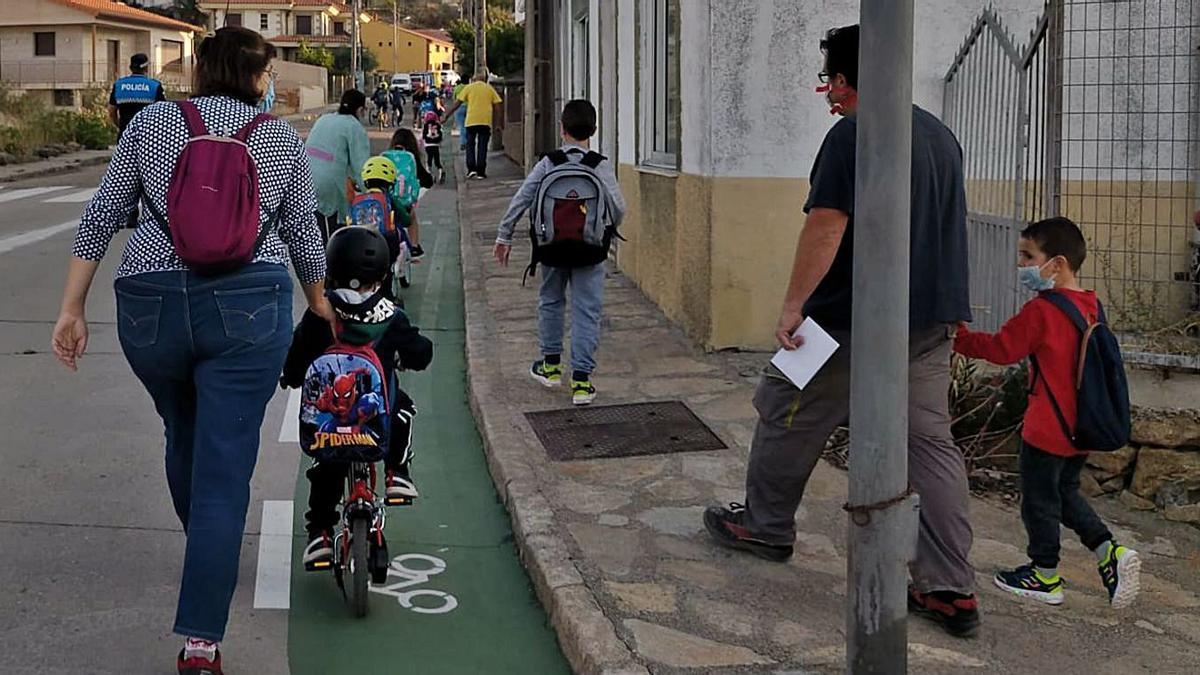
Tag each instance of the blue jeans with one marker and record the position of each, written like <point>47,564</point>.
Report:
<point>478,137</point>
<point>460,121</point>
<point>209,351</point>
<point>587,303</point>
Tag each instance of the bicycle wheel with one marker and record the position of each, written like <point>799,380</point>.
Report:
<point>360,571</point>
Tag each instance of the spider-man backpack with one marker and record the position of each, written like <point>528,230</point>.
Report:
<point>344,406</point>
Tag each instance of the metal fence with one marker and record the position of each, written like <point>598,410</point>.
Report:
<point>1096,117</point>
<point>83,74</point>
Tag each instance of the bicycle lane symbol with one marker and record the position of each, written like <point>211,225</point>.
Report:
<point>428,567</point>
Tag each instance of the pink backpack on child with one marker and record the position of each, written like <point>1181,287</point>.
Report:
<point>213,200</point>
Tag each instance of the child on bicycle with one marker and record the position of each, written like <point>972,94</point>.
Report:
<point>405,154</point>
<point>358,263</point>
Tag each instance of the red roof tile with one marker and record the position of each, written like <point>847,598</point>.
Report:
<point>117,11</point>
<point>312,39</point>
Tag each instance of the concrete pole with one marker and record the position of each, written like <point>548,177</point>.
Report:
<point>883,519</point>
<point>395,38</point>
<point>480,34</point>
<point>354,43</point>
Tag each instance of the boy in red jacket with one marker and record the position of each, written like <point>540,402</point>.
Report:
<point>1050,254</point>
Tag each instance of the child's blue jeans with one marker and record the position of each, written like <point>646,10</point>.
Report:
<point>209,351</point>
<point>587,303</point>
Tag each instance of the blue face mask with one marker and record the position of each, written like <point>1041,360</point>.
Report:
<point>268,99</point>
<point>1031,278</point>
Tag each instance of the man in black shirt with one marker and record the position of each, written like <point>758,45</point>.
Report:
<point>794,424</point>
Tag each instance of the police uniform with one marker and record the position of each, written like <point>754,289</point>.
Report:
<point>132,93</point>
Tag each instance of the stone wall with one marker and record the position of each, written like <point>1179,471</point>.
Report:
<point>1159,470</point>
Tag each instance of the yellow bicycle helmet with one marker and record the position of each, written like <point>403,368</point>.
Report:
<point>379,168</point>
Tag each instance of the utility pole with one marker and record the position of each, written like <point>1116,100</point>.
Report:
<point>480,35</point>
<point>395,37</point>
<point>355,44</point>
<point>882,513</point>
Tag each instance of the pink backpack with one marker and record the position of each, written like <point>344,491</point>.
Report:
<point>212,200</point>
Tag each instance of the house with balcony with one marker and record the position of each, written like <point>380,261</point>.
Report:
<point>285,23</point>
<point>57,50</point>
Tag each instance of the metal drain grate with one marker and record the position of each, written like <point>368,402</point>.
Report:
<point>622,431</point>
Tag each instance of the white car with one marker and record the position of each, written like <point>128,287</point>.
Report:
<point>402,82</point>
<point>450,76</point>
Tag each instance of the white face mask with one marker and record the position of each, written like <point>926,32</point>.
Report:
<point>352,296</point>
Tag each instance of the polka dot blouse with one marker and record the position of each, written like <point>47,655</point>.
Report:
<point>145,158</point>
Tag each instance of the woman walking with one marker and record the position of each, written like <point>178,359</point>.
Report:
<point>208,348</point>
<point>337,149</point>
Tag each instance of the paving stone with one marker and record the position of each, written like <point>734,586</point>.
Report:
<point>1136,503</point>
<point>673,366</point>
<point>612,549</point>
<point>672,490</point>
<point>1187,625</point>
<point>722,616</point>
<point>735,406</point>
<point>684,650</point>
<point>613,520</point>
<point>918,655</point>
<point>614,472</point>
<point>684,549</point>
<point>679,387</point>
<point>717,470</point>
<point>791,634</point>
<point>704,575</point>
<point>682,521</point>
<point>1146,625</point>
<point>588,499</point>
<point>653,598</point>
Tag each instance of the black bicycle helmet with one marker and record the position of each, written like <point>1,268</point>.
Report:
<point>356,257</point>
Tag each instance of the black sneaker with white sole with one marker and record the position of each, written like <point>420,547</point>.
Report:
<point>727,527</point>
<point>1121,573</point>
<point>318,554</point>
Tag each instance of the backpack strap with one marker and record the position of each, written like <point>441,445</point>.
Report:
<point>1062,419</point>
<point>243,134</point>
<point>557,158</point>
<point>592,159</point>
<point>1064,304</point>
<point>191,115</point>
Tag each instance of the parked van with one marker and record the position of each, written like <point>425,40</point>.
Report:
<point>402,82</point>
<point>449,77</point>
<point>419,79</point>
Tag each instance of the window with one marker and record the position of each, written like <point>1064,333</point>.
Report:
<point>64,98</point>
<point>172,56</point>
<point>233,19</point>
<point>339,27</point>
<point>43,44</point>
<point>660,83</point>
<point>304,24</point>
<point>264,21</point>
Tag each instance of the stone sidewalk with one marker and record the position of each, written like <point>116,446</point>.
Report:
<point>617,551</point>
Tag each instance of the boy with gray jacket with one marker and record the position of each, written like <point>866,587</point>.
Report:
<point>576,225</point>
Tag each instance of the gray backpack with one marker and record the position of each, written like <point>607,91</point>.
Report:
<point>570,222</point>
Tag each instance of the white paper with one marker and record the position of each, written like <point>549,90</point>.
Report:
<point>800,365</point>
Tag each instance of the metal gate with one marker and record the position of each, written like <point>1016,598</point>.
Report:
<point>1096,117</point>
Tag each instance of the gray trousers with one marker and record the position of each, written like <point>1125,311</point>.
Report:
<point>792,429</point>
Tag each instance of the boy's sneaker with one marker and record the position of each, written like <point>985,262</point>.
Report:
<point>472,174</point>
<point>198,665</point>
<point>958,614</point>
<point>582,392</point>
<point>1121,571</point>
<point>726,525</point>
<point>401,490</point>
<point>442,177</point>
<point>549,374</point>
<point>318,555</point>
<point>1027,582</point>
<point>417,252</point>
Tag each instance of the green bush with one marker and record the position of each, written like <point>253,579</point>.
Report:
<point>11,142</point>
<point>94,131</point>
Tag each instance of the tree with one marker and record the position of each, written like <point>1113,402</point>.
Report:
<point>180,10</point>
<point>315,56</point>
<point>505,43</point>
<point>341,61</point>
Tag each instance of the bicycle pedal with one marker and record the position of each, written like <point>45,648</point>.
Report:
<point>398,501</point>
<point>319,566</point>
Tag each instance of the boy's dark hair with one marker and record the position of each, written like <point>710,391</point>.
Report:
<point>579,119</point>
<point>378,184</point>
<point>230,62</point>
<point>1058,236</point>
<point>841,53</point>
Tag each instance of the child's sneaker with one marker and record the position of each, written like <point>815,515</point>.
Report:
<point>1121,571</point>
<point>318,555</point>
<point>549,374</point>
<point>582,392</point>
<point>441,176</point>
<point>401,489</point>
<point>417,252</point>
<point>198,665</point>
<point>1027,582</point>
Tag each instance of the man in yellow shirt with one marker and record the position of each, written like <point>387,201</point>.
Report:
<point>483,106</point>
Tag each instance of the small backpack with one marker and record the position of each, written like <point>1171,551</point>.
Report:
<point>570,224</point>
<point>373,210</point>
<point>344,406</point>
<point>213,203</point>
<point>408,188</point>
<point>1102,420</point>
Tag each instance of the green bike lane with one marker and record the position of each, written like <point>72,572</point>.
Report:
<point>457,599</point>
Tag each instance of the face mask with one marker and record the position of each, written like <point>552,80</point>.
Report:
<point>1031,278</point>
<point>838,108</point>
<point>268,99</point>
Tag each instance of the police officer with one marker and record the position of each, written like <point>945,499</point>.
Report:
<point>129,95</point>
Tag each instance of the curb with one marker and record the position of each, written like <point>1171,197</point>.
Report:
<point>41,171</point>
<point>586,636</point>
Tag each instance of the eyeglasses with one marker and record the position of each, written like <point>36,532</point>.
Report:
<point>823,77</point>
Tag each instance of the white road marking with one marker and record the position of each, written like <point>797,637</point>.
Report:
<point>76,197</point>
<point>33,236</point>
<point>289,430</point>
<point>30,192</point>
<point>273,584</point>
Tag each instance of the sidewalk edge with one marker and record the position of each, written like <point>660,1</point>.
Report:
<point>43,168</point>
<point>587,637</point>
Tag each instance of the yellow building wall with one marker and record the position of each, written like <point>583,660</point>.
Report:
<point>411,53</point>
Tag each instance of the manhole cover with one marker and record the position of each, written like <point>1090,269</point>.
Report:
<point>622,431</point>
